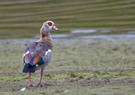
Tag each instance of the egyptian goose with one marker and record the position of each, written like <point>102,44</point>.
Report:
<point>38,54</point>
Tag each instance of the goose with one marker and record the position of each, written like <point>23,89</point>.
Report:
<point>38,54</point>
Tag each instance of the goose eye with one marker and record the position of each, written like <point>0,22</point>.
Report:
<point>49,23</point>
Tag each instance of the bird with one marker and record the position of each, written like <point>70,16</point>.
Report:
<point>38,54</point>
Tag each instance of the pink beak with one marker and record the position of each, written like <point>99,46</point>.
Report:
<point>55,28</point>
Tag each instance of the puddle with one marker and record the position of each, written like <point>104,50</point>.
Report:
<point>87,34</point>
<point>84,31</point>
<point>89,37</point>
<point>77,34</point>
<point>63,37</point>
<point>109,37</point>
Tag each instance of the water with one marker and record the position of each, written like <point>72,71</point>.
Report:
<point>77,34</point>
<point>88,37</point>
<point>87,34</point>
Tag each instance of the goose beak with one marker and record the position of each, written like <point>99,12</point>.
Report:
<point>55,28</point>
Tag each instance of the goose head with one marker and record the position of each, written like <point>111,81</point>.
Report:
<point>48,26</point>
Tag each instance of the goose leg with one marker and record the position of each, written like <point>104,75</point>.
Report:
<point>26,60</point>
<point>41,76</point>
<point>29,80</point>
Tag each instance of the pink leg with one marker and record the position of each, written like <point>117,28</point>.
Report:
<point>29,80</point>
<point>41,76</point>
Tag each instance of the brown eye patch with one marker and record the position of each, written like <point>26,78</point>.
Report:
<point>49,23</point>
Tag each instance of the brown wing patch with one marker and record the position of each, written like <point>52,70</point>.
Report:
<point>36,59</point>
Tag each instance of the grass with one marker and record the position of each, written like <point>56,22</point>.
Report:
<point>24,18</point>
<point>81,75</point>
<point>78,67</point>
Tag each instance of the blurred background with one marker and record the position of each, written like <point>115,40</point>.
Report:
<point>23,18</point>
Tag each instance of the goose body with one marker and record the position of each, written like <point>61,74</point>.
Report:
<point>38,54</point>
<point>36,48</point>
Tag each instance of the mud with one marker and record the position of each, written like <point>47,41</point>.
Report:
<point>72,81</point>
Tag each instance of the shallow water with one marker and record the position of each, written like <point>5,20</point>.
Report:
<point>66,37</point>
<point>88,37</point>
<point>87,34</point>
<point>83,34</point>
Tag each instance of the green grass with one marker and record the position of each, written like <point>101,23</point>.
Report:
<point>81,75</point>
<point>24,18</point>
<point>73,55</point>
<point>78,67</point>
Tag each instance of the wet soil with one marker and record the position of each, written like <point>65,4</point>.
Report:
<point>72,81</point>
